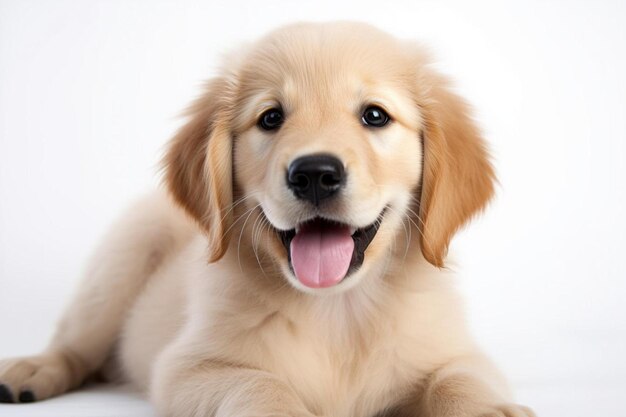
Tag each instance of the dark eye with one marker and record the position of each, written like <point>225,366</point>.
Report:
<point>271,119</point>
<point>375,116</point>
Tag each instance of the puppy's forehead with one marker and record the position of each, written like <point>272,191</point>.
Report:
<point>314,55</point>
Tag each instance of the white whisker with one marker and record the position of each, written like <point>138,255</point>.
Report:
<point>241,235</point>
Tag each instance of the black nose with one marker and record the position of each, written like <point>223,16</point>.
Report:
<point>315,177</point>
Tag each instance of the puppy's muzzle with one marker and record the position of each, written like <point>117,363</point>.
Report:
<point>316,177</point>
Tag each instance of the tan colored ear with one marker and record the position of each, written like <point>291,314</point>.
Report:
<point>458,179</point>
<point>198,166</point>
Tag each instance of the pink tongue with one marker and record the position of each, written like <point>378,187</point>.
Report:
<point>321,254</point>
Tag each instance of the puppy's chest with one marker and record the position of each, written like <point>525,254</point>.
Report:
<point>342,373</point>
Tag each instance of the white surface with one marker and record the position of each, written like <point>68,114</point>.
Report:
<point>556,399</point>
<point>93,401</point>
<point>89,92</point>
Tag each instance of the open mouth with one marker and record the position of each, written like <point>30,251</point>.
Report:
<point>322,252</point>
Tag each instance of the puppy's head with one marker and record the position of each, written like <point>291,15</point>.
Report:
<point>330,137</point>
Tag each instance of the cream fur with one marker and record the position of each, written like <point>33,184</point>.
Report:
<point>239,335</point>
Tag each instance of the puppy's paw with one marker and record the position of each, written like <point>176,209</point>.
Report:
<point>24,380</point>
<point>507,410</point>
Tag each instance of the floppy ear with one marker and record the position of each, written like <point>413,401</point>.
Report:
<point>198,166</point>
<point>457,179</point>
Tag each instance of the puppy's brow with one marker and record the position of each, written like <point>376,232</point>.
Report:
<point>289,88</point>
<point>252,108</point>
<point>264,105</point>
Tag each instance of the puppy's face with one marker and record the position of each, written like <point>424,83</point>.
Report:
<point>323,126</point>
<point>327,146</point>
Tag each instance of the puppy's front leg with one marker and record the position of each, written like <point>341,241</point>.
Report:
<point>184,388</point>
<point>468,387</point>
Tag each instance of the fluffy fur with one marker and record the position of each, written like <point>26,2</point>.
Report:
<point>191,298</point>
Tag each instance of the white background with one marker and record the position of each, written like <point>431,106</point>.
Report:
<point>90,91</point>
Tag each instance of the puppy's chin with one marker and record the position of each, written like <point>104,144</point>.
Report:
<point>347,283</point>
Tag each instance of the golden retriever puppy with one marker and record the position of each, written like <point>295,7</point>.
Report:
<point>297,270</point>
